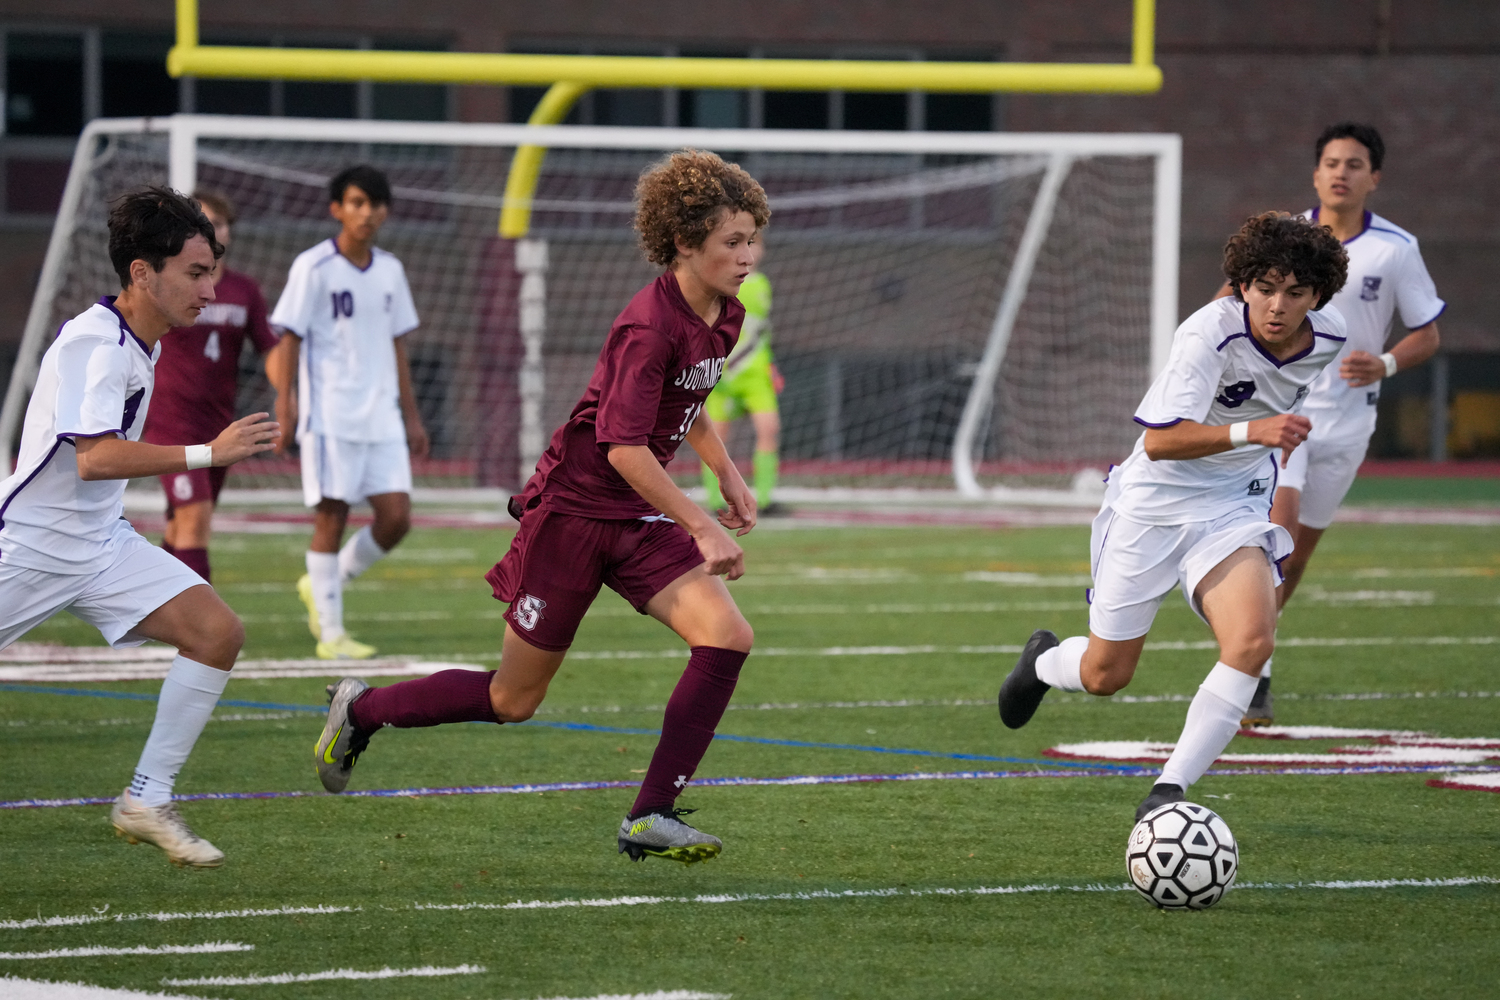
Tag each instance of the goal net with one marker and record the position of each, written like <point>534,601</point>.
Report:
<point>948,308</point>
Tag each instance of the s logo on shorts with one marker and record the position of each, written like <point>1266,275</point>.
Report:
<point>528,611</point>
<point>182,487</point>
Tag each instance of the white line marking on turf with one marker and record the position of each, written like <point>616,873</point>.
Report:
<point>1468,782</point>
<point>91,951</point>
<point>658,995</point>
<point>40,989</point>
<point>108,670</point>
<point>1003,890</point>
<point>285,978</point>
<point>1146,750</point>
<point>106,918</point>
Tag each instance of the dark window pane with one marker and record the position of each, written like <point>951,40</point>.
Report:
<point>411,102</point>
<point>45,84</point>
<point>319,100</point>
<point>960,112</point>
<point>627,107</point>
<point>232,97</point>
<point>523,101</point>
<point>133,74</point>
<point>713,108</point>
<point>885,112</point>
<point>796,109</point>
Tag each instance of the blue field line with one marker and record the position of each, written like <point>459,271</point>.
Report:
<point>619,730</point>
<point>796,779</point>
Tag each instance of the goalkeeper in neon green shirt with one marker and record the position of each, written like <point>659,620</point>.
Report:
<point>749,385</point>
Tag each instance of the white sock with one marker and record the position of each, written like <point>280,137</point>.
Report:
<point>328,593</point>
<point>359,554</point>
<point>1212,720</point>
<point>1265,671</point>
<point>1061,666</point>
<point>188,697</point>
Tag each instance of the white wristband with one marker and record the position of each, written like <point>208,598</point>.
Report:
<point>1389,360</point>
<point>1239,434</point>
<point>199,456</point>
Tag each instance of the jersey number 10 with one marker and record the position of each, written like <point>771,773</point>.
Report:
<point>343,304</point>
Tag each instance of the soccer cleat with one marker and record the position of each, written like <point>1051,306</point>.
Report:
<point>1022,692</point>
<point>341,744</point>
<point>1161,795</point>
<point>1262,707</point>
<point>661,833</point>
<point>345,647</point>
<point>164,827</point>
<point>304,591</point>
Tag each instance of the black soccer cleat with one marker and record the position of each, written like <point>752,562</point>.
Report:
<point>1262,707</point>
<point>1022,691</point>
<point>1161,795</point>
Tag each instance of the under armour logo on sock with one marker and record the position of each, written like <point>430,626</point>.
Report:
<point>681,781</point>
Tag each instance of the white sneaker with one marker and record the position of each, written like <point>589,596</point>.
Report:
<point>164,827</point>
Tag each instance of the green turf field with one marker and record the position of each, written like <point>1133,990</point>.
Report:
<point>868,889</point>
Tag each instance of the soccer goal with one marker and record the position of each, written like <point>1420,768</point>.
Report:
<point>949,309</point>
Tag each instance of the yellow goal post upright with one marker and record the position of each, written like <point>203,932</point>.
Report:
<point>1046,159</point>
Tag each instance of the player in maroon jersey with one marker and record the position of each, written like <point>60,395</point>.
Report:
<point>602,510</point>
<point>196,381</point>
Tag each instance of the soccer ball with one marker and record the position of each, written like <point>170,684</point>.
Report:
<point>1182,856</point>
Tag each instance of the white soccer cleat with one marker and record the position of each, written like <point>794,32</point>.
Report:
<point>164,827</point>
<point>305,592</point>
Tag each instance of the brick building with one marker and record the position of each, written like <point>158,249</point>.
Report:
<point>1247,85</point>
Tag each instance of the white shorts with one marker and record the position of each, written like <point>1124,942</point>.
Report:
<point>338,469</point>
<point>1322,471</point>
<point>138,579</point>
<point>1136,565</point>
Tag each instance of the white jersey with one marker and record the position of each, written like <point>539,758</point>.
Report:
<point>1386,273</point>
<point>94,380</point>
<point>348,319</point>
<point>1218,374</point>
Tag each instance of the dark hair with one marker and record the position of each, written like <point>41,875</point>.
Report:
<point>365,177</point>
<point>153,225</point>
<point>1365,135</point>
<point>218,202</point>
<point>1282,244</point>
<point>685,196</point>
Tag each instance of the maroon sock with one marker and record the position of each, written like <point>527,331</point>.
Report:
<point>195,560</point>
<point>693,712</point>
<point>446,696</point>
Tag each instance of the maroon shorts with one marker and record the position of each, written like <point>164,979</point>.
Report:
<point>194,486</point>
<point>556,563</point>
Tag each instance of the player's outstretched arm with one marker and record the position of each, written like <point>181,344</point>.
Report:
<point>1189,439</point>
<point>738,497</point>
<point>638,467</point>
<point>109,457</point>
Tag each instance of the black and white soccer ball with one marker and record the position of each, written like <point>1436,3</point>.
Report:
<point>1181,856</point>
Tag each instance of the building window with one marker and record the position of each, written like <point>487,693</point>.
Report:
<point>883,112</point>
<point>796,109</point>
<point>44,84</point>
<point>960,112</point>
<point>133,76</point>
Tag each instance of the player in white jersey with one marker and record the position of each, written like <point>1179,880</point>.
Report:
<point>344,314</point>
<point>1386,276</point>
<point>1191,505</point>
<point>64,544</point>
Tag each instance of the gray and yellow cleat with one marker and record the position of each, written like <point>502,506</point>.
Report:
<point>304,591</point>
<point>1262,710</point>
<point>662,834</point>
<point>341,743</point>
<point>164,827</point>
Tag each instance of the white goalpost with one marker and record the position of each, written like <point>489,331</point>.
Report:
<point>951,310</point>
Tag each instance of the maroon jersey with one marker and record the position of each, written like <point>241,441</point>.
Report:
<point>658,365</point>
<point>197,375</point>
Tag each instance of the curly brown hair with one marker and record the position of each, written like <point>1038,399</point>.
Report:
<point>1282,244</point>
<point>685,196</point>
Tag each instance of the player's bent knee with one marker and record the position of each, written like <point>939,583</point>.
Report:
<point>1250,652</point>
<point>510,706</point>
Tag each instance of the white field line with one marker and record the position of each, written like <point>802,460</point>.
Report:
<point>658,995</point>
<point>1004,890</point>
<point>1469,782</point>
<point>109,670</point>
<point>92,951</point>
<point>1146,750</point>
<point>285,978</point>
<point>103,917</point>
<point>40,989</point>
